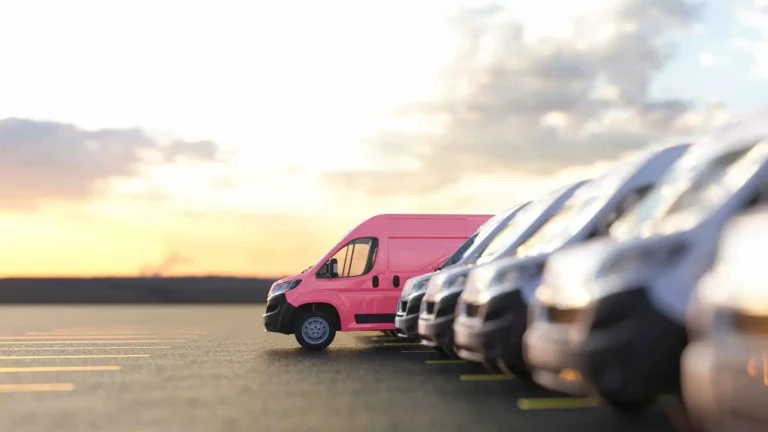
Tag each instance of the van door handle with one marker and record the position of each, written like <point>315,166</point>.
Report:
<point>375,281</point>
<point>396,281</point>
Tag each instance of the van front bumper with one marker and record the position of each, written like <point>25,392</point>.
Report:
<point>407,316</point>
<point>631,354</point>
<point>279,315</point>
<point>493,332</point>
<point>723,383</point>
<point>436,325</point>
<point>549,353</point>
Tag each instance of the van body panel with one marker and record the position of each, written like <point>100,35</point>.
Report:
<point>375,259</point>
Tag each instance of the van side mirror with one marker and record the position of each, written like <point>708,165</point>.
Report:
<point>323,272</point>
<point>329,269</point>
<point>333,265</point>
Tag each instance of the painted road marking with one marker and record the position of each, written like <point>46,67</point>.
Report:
<point>82,348</point>
<point>10,338</point>
<point>88,341</point>
<point>30,388</point>
<point>445,361</point>
<point>487,377</point>
<point>59,369</point>
<point>557,403</point>
<point>74,356</point>
<point>108,334</point>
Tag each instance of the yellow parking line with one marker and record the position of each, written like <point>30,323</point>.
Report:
<point>445,361</point>
<point>10,338</point>
<point>487,377</point>
<point>59,369</point>
<point>44,342</point>
<point>74,356</point>
<point>28,388</point>
<point>81,348</point>
<point>557,403</point>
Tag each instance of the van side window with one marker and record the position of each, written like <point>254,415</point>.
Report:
<point>357,257</point>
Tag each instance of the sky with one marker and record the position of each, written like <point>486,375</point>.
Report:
<point>245,138</point>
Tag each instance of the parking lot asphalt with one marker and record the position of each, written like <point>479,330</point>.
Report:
<point>213,368</point>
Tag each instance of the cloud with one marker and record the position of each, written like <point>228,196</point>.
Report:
<point>754,15</point>
<point>706,59</point>
<point>536,106</point>
<point>48,160</point>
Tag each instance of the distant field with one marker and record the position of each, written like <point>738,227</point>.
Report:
<point>135,290</point>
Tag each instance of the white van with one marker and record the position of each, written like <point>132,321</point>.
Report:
<point>636,292</point>
<point>407,314</point>
<point>492,310</point>
<point>435,319</point>
<point>725,366</point>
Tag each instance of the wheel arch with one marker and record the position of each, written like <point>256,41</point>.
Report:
<point>320,306</point>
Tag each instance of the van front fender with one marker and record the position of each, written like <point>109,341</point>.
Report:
<point>298,298</point>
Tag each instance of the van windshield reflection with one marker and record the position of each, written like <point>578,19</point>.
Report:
<point>516,227</point>
<point>713,187</point>
<point>577,212</point>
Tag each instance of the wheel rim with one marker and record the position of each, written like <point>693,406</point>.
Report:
<point>315,330</point>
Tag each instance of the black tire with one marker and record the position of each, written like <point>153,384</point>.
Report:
<point>492,368</point>
<point>521,372</point>
<point>315,321</point>
<point>447,351</point>
<point>628,408</point>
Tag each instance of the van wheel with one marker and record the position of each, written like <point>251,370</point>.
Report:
<point>315,330</point>
<point>492,368</point>
<point>447,351</point>
<point>628,408</point>
<point>520,372</point>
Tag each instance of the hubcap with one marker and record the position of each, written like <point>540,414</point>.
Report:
<point>315,330</point>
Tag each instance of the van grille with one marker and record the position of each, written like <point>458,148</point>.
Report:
<point>471,310</point>
<point>430,307</point>
<point>402,305</point>
<point>567,316</point>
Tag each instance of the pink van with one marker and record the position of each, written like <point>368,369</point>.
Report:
<point>356,285</point>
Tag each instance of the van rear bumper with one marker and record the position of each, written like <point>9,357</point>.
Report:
<point>279,315</point>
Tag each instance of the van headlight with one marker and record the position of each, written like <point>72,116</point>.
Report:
<point>457,281</point>
<point>284,287</point>
<point>488,278</point>
<point>727,289</point>
<point>414,286</point>
<point>575,296</point>
<point>633,259</point>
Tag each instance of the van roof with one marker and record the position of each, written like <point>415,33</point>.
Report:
<point>739,133</point>
<point>425,215</point>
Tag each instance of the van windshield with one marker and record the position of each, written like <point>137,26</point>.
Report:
<point>515,228</point>
<point>575,214</point>
<point>460,252</point>
<point>658,199</point>
<point>708,191</point>
<point>472,243</point>
<point>683,179</point>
